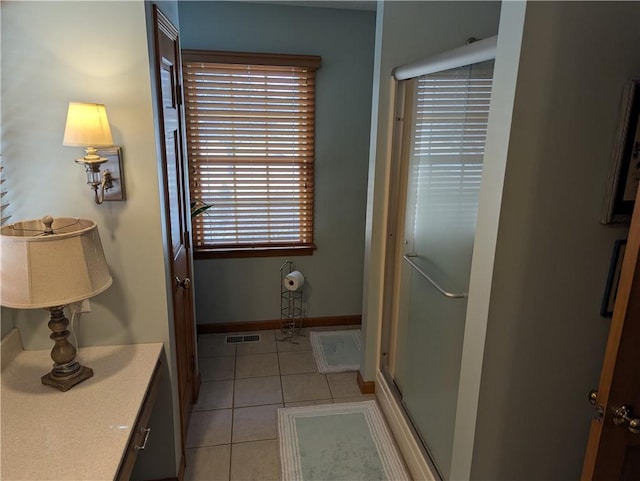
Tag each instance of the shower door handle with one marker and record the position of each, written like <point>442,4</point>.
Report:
<point>450,295</point>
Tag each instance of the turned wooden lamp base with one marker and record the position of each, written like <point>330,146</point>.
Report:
<point>64,384</point>
<point>66,372</point>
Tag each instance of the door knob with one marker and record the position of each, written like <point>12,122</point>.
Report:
<point>624,415</point>
<point>184,283</point>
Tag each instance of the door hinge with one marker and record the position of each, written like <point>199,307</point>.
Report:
<point>187,239</point>
<point>598,413</point>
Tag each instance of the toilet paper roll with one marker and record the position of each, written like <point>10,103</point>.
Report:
<point>293,281</point>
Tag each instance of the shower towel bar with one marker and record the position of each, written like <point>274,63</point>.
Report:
<point>450,295</point>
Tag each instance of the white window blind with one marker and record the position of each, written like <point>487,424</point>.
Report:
<point>451,116</point>
<point>250,138</point>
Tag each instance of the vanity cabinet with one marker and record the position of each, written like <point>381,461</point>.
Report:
<point>93,431</point>
<point>141,431</point>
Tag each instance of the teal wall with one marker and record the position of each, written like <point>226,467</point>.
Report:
<point>6,321</point>
<point>230,290</point>
<point>545,338</point>
<point>48,59</point>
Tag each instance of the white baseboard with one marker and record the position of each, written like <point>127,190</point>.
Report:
<point>411,452</point>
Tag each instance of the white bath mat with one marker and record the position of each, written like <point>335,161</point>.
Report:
<point>336,351</point>
<point>337,442</point>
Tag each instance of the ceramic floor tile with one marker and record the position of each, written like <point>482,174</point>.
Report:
<point>210,463</point>
<point>214,345</point>
<point>257,391</point>
<point>266,344</point>
<point>217,368</point>
<point>305,387</point>
<point>317,402</point>
<point>362,397</point>
<point>209,428</point>
<point>297,362</point>
<point>255,423</point>
<point>255,461</point>
<point>241,443</point>
<point>257,365</point>
<point>299,342</point>
<point>215,395</point>
<point>343,384</point>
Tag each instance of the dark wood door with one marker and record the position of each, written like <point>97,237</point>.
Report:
<point>168,78</point>
<point>613,449</point>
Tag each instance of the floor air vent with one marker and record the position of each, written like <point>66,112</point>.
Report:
<point>245,338</point>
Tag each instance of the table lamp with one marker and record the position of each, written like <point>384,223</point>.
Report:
<point>50,264</point>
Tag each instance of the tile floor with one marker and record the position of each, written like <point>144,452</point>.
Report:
<point>233,433</point>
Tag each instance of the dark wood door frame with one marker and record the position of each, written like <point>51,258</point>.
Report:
<point>174,172</point>
<point>613,451</point>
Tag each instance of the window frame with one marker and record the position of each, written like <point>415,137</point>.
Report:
<point>312,64</point>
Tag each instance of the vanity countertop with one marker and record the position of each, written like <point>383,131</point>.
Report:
<point>80,434</point>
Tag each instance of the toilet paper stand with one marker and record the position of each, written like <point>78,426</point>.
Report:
<point>291,306</point>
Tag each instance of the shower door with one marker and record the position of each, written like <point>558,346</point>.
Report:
<point>438,155</point>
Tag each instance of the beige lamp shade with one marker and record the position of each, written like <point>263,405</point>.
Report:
<point>87,125</point>
<point>41,269</point>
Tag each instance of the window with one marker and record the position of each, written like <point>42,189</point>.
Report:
<point>250,137</point>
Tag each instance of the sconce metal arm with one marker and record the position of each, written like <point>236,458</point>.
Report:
<point>106,184</point>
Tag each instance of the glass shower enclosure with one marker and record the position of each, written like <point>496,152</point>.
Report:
<point>438,149</point>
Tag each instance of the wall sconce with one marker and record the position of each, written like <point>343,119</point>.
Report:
<point>88,126</point>
<point>51,264</point>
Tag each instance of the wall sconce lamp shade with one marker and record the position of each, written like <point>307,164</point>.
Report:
<point>51,267</point>
<point>88,126</point>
